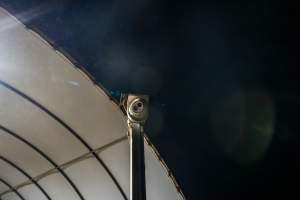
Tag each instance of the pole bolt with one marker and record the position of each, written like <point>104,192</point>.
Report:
<point>137,108</point>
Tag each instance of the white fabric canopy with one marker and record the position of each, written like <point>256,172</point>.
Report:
<point>61,135</point>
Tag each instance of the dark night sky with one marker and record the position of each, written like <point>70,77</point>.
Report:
<point>223,79</point>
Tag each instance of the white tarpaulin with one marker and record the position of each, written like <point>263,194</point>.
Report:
<point>61,135</point>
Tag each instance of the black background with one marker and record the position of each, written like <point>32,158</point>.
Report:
<point>190,56</point>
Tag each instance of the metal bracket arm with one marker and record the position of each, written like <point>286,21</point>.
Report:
<point>136,107</point>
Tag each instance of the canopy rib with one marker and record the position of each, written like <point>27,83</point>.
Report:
<point>13,189</point>
<point>26,174</point>
<point>67,127</point>
<point>6,130</point>
<point>66,165</point>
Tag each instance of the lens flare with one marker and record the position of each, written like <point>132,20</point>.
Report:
<point>243,124</point>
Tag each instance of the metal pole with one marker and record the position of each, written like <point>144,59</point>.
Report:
<point>137,112</point>
<point>137,164</point>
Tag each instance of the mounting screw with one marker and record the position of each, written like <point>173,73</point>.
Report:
<point>137,108</point>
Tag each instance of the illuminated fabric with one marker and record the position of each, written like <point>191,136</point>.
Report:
<point>61,136</point>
